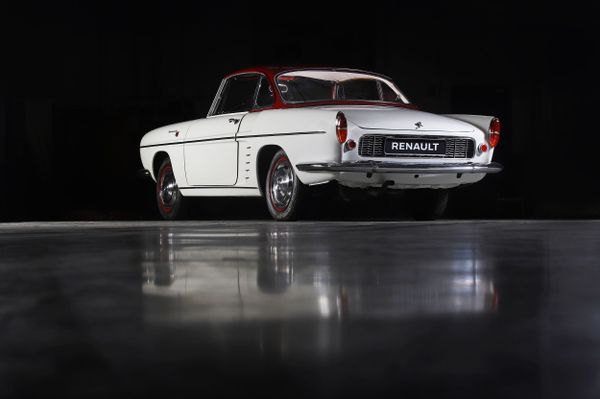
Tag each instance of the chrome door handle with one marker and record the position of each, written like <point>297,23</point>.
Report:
<point>234,121</point>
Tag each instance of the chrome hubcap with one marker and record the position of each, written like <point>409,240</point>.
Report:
<point>282,184</point>
<point>168,189</point>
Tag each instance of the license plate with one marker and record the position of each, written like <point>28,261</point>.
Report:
<point>415,146</point>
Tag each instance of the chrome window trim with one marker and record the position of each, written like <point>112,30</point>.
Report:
<point>379,90</point>
<point>211,110</point>
<point>258,87</point>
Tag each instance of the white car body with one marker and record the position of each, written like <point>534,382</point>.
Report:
<point>220,155</point>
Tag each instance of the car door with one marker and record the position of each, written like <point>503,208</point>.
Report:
<point>210,149</point>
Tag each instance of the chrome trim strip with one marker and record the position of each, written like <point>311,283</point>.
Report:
<point>394,167</point>
<point>282,134</point>
<point>235,137</point>
<point>160,145</point>
<point>189,141</point>
<point>199,187</point>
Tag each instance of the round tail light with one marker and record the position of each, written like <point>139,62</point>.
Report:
<point>494,132</point>
<point>341,127</point>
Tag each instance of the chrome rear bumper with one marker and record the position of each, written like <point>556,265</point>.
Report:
<point>395,167</point>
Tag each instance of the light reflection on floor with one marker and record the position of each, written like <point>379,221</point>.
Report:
<point>263,276</point>
<point>359,309</point>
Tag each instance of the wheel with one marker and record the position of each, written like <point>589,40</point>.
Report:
<point>428,204</point>
<point>284,192</point>
<point>168,197</point>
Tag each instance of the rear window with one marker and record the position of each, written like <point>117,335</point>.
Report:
<point>301,89</point>
<point>359,89</point>
<point>336,85</point>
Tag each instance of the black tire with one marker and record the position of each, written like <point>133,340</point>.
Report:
<point>428,204</point>
<point>284,192</point>
<point>170,202</point>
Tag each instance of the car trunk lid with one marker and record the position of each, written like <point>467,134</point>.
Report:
<point>402,119</point>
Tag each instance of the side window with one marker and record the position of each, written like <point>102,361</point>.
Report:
<point>265,97</point>
<point>238,94</point>
<point>387,94</point>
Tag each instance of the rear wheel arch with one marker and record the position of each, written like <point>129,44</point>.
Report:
<point>157,161</point>
<point>263,161</point>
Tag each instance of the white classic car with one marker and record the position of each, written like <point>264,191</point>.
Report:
<point>276,132</point>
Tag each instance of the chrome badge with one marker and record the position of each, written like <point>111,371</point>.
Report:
<point>418,125</point>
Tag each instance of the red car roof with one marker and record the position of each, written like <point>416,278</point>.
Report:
<point>267,70</point>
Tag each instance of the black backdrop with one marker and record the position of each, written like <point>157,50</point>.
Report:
<point>81,82</point>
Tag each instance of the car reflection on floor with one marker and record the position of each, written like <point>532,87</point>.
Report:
<point>275,272</point>
<point>327,309</point>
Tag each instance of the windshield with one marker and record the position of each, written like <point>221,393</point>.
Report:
<point>327,85</point>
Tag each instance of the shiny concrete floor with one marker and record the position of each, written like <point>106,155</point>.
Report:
<point>476,309</point>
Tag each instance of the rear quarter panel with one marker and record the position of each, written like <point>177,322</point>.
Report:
<point>306,135</point>
<point>482,123</point>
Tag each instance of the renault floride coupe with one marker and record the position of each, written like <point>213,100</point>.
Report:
<point>278,132</point>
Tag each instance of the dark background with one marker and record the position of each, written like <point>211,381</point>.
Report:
<point>81,82</point>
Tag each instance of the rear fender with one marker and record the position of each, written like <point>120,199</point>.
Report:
<point>481,122</point>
